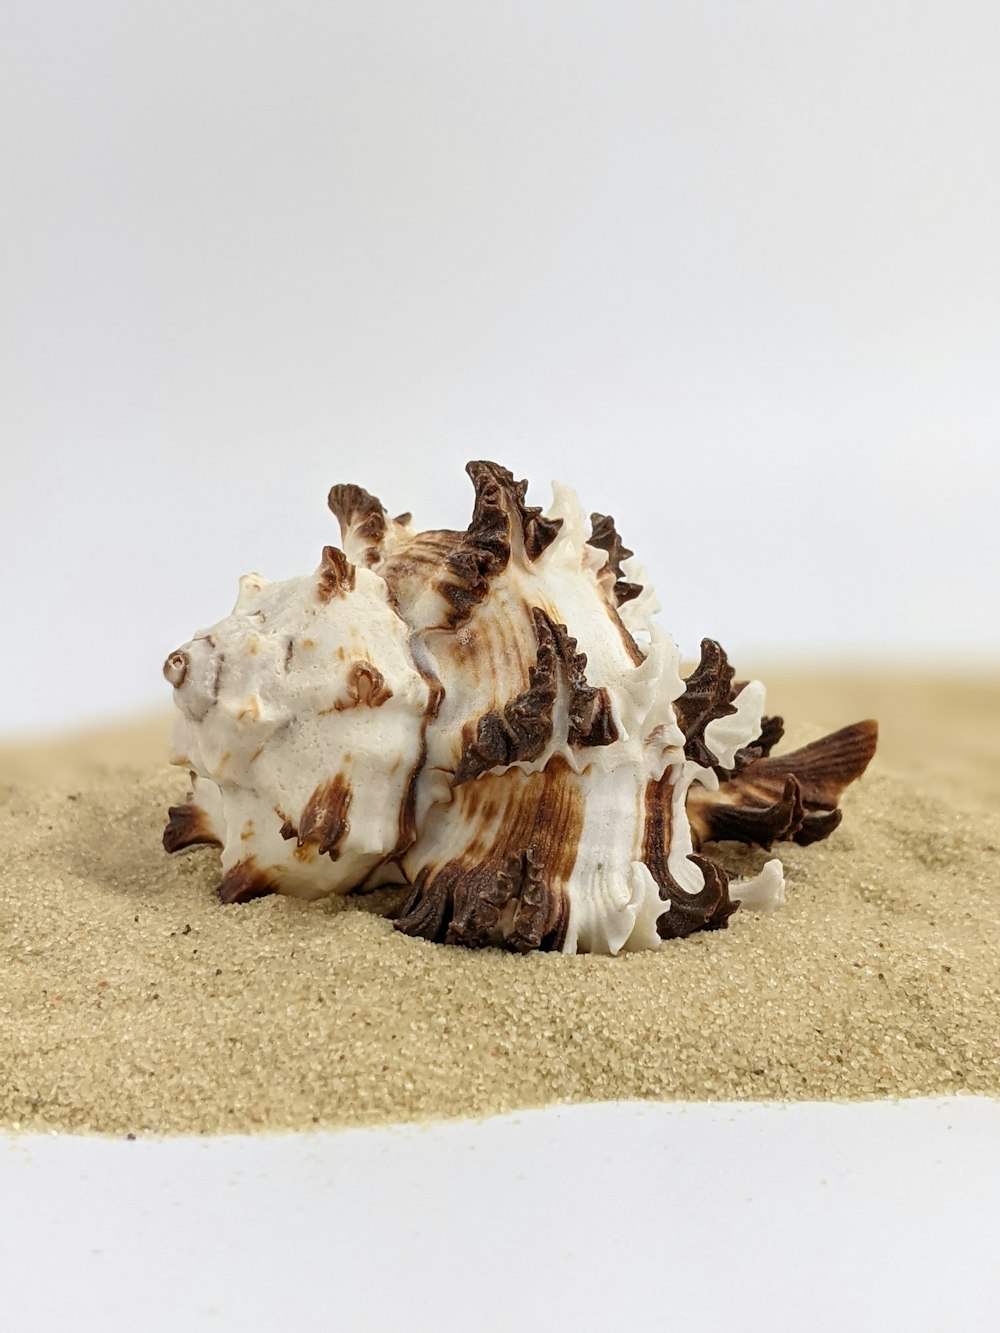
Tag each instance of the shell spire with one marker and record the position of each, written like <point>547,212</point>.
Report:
<point>493,718</point>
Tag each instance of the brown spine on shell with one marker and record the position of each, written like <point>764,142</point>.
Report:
<point>604,536</point>
<point>187,826</point>
<point>520,731</point>
<point>483,550</point>
<point>791,797</point>
<point>496,490</point>
<point>708,909</point>
<point>244,881</point>
<point>483,895</point>
<point>523,728</point>
<point>590,719</point>
<point>761,825</point>
<point>361,516</point>
<point>488,532</point>
<point>324,823</point>
<point>707,695</point>
<point>771,731</point>
<point>467,587</point>
<point>336,575</point>
<point>522,875</point>
<point>541,917</point>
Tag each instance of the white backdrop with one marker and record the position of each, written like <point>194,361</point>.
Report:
<point>730,269</point>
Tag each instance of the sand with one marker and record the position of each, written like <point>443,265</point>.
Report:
<point>131,1002</point>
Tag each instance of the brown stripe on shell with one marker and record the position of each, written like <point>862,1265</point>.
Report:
<point>418,563</point>
<point>628,642</point>
<point>708,909</point>
<point>825,767</point>
<point>216,685</point>
<point>361,517</point>
<point>336,575</point>
<point>244,881</point>
<point>187,826</point>
<point>604,536</point>
<point>324,823</point>
<point>521,876</point>
<point>408,807</point>
<point>523,728</point>
<point>708,695</point>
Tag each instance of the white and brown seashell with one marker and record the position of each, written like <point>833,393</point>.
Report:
<point>493,718</point>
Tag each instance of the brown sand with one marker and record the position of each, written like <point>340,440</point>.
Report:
<point>130,1001</point>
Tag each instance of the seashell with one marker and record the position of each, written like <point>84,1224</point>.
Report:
<point>494,719</point>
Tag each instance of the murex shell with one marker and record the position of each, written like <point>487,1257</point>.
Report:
<point>493,718</point>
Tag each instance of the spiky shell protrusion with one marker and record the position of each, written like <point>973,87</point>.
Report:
<point>492,717</point>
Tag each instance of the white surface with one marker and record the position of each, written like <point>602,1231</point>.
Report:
<point>747,252</point>
<point>630,1216</point>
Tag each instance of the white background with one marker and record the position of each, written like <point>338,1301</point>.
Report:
<point>730,269</point>
<point>585,1219</point>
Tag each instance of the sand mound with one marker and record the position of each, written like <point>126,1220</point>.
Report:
<point>131,1002</point>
